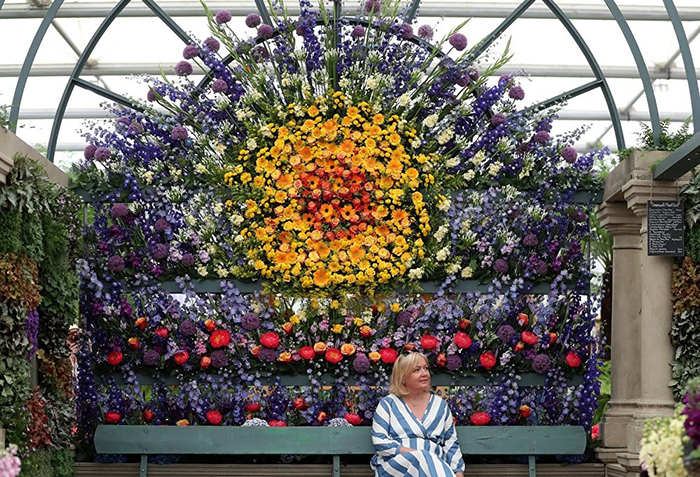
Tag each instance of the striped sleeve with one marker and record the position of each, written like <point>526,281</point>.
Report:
<point>383,443</point>
<point>453,454</point>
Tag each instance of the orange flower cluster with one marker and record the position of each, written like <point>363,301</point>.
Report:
<point>340,199</point>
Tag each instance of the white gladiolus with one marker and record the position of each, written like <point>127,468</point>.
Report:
<point>662,446</point>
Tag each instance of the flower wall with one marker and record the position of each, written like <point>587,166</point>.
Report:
<point>341,166</point>
<point>38,302</point>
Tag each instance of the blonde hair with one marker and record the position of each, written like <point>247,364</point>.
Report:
<point>403,365</point>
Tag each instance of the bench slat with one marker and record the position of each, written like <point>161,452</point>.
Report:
<point>497,440</point>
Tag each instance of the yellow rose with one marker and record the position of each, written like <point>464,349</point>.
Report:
<point>337,329</point>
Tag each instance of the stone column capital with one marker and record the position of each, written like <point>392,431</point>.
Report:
<point>618,219</point>
<point>638,191</point>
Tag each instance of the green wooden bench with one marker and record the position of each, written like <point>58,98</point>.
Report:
<point>334,441</point>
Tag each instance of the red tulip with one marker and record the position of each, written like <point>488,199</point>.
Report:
<point>210,325</point>
<point>115,357</point>
<point>275,423</point>
<point>300,404</point>
<point>333,355</point>
<point>552,338</point>
<point>353,419</point>
<point>220,338</point>
<point>441,360</point>
<point>252,407</point>
<point>113,417</point>
<point>487,360</point>
<point>270,340</point>
<point>523,320</point>
<point>595,432</point>
<point>322,416</point>
<point>141,322</point>
<point>214,417</point>
<point>205,362</point>
<point>519,346</point>
<point>573,360</point>
<point>181,357</point>
<point>428,342</point>
<point>307,352</point>
<point>480,419</point>
<point>388,355</point>
<point>162,332</point>
<point>465,324</point>
<point>525,411</point>
<point>462,340</point>
<point>148,415</point>
<point>255,351</point>
<point>134,343</point>
<point>529,337</point>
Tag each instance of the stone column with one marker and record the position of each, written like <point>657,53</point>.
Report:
<point>625,381</point>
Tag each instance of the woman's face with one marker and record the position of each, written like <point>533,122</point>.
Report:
<point>418,378</point>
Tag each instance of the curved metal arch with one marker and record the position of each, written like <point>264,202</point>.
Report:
<point>687,62</point>
<point>641,68</point>
<point>2,2</point>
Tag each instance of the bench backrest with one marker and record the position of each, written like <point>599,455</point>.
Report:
<point>497,440</point>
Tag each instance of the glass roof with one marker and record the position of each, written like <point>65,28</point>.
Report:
<point>539,45</point>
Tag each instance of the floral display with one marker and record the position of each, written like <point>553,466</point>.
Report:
<point>691,411</point>
<point>342,166</point>
<point>10,464</point>
<point>662,446</point>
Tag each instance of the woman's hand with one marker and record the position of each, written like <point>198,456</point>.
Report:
<point>403,450</point>
<point>459,474</point>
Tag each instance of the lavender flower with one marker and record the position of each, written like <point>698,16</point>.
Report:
<point>252,20</point>
<point>212,44</point>
<point>454,362</point>
<point>426,32</point>
<point>223,16</point>
<point>31,328</point>
<point>500,266</point>
<point>151,357</point>
<point>458,41</point>
<point>102,154</point>
<point>179,133</point>
<point>188,328</point>
<point>516,92</point>
<point>569,154</point>
<point>541,363</point>
<point>250,321</point>
<point>219,359</point>
<point>219,86</point>
<point>190,52</point>
<point>265,31</point>
<point>115,263</point>
<point>118,210</point>
<point>89,151</point>
<point>183,68</point>
<point>361,363</point>
<point>505,333</point>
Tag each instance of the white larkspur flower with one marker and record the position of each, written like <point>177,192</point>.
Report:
<point>251,144</point>
<point>430,121</point>
<point>495,168</point>
<point>191,219</point>
<point>404,100</point>
<point>467,272</point>
<point>236,219</point>
<point>469,175</point>
<point>202,271</point>
<point>445,136</point>
<point>148,177</point>
<point>239,238</point>
<point>221,272</point>
<point>452,162</point>
<point>415,144</point>
<point>478,158</point>
<point>372,82</point>
<point>510,192</point>
<point>453,268</point>
<point>445,204</point>
<point>218,208</point>
<point>441,232</point>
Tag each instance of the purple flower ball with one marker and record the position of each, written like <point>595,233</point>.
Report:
<point>212,44</point>
<point>361,363</point>
<point>426,32</point>
<point>265,31</point>
<point>252,20</point>
<point>541,267</point>
<point>300,30</point>
<point>183,68</point>
<point>179,133</point>
<point>188,328</point>
<point>267,355</point>
<point>458,41</point>
<point>505,333</point>
<point>219,86</point>
<point>497,119</point>
<point>151,357</point>
<point>260,53</point>
<point>463,79</point>
<point>473,73</point>
<point>569,154</point>
<point>404,318</point>
<point>190,52</point>
<point>250,321</point>
<point>160,251</point>
<point>118,210</point>
<point>162,225</point>
<point>500,266</point>
<point>223,16</point>
<point>102,153</point>
<point>373,6</point>
<point>530,240</point>
<point>579,215</point>
<point>358,31</point>
<point>89,151</point>
<point>541,363</point>
<point>454,362</point>
<point>219,359</point>
<point>406,31</point>
<point>516,92</point>
<point>115,263</point>
<point>187,259</point>
<point>542,137</point>
<point>151,95</point>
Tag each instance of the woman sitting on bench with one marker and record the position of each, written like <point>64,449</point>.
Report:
<point>413,430</point>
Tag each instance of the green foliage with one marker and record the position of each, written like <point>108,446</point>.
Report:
<point>604,378</point>
<point>10,224</point>
<point>28,189</point>
<point>61,416</point>
<point>668,141</point>
<point>685,336</point>
<point>62,463</point>
<point>32,237</point>
<point>693,244</point>
<point>37,463</point>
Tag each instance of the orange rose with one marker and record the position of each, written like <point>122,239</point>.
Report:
<point>141,322</point>
<point>348,349</point>
<point>365,331</point>
<point>287,327</point>
<point>182,422</point>
<point>134,343</point>
<point>285,357</point>
<point>256,350</point>
<point>320,347</point>
<point>374,356</point>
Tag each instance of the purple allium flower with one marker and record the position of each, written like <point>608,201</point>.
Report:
<point>250,321</point>
<point>212,44</point>
<point>89,151</point>
<point>454,362</point>
<point>541,267</point>
<point>115,263</point>
<point>358,31</point>
<point>542,137</point>
<point>183,68</point>
<point>540,363</point>
<point>516,92</point>
<point>151,357</point>
<point>118,210</point>
<point>162,225</point>
<point>530,240</point>
<point>151,95</point>
<point>190,52</point>
<point>426,32</point>
<point>569,154</point>
<point>179,133</point>
<point>252,20</point>
<point>267,355</point>
<point>361,363</point>
<point>579,215</point>
<point>219,86</point>
<point>219,359</point>
<point>265,31</point>
<point>406,31</point>
<point>463,79</point>
<point>187,259</point>
<point>500,266</point>
<point>404,318</point>
<point>373,6</point>
<point>505,333</point>
<point>458,41</point>
<point>160,251</point>
<point>260,53</point>
<point>498,118</point>
<point>188,328</point>
<point>223,16</point>
<point>473,73</point>
<point>102,153</point>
